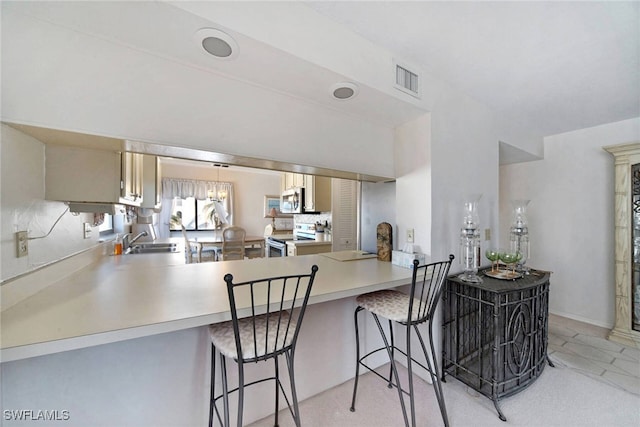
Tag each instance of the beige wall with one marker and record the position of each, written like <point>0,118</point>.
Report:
<point>250,187</point>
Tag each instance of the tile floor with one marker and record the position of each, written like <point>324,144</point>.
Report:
<point>584,348</point>
<point>578,346</point>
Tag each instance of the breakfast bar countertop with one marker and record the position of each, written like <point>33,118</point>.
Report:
<point>132,296</point>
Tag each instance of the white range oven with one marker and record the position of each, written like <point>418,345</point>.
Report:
<point>277,243</point>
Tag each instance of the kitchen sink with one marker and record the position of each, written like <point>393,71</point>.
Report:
<point>153,248</point>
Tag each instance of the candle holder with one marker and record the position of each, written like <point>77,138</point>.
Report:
<point>519,234</point>
<point>470,241</point>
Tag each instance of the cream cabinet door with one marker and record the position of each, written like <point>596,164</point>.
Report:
<point>131,181</point>
<point>292,180</point>
<point>82,175</point>
<point>317,193</point>
<point>151,182</point>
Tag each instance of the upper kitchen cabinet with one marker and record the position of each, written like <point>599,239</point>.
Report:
<point>317,193</point>
<point>317,190</point>
<point>95,176</point>
<point>151,182</point>
<point>292,180</point>
<point>131,178</point>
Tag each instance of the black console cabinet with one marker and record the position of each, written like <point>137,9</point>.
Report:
<point>495,333</point>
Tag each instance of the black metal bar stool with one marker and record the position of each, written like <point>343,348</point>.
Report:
<point>269,329</point>
<point>409,310</point>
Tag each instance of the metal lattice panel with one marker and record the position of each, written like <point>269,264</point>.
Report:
<point>635,187</point>
<point>635,288</point>
<point>495,333</point>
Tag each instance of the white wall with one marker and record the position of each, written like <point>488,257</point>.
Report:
<point>413,183</point>
<point>23,208</point>
<point>570,216</point>
<point>464,161</point>
<point>378,205</point>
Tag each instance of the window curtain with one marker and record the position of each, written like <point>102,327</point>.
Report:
<point>182,188</point>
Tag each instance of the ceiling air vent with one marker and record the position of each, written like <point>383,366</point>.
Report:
<point>407,81</point>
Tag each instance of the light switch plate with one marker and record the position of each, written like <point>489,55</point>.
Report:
<point>22,244</point>
<point>410,235</point>
<point>87,230</point>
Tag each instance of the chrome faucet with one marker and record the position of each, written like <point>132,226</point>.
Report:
<point>126,244</point>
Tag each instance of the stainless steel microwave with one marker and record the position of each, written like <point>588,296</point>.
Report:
<point>292,201</point>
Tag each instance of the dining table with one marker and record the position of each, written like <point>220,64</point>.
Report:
<point>216,241</point>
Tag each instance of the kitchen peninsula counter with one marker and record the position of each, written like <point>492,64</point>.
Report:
<point>308,247</point>
<point>124,297</point>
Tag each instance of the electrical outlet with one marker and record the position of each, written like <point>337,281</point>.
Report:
<point>87,230</point>
<point>487,234</point>
<point>22,244</point>
<point>410,235</point>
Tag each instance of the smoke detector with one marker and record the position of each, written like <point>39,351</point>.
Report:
<point>217,43</point>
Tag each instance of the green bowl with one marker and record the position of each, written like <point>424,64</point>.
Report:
<point>510,257</point>
<point>492,254</point>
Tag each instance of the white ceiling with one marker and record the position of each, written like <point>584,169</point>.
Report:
<point>553,66</point>
<point>558,66</point>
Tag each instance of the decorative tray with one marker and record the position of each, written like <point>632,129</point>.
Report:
<point>503,274</point>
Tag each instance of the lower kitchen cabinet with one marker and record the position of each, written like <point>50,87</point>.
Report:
<point>307,248</point>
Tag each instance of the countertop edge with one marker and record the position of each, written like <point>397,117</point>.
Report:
<point>57,346</point>
<point>29,350</point>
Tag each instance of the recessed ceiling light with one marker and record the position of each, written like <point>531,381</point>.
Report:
<point>344,91</point>
<point>217,43</point>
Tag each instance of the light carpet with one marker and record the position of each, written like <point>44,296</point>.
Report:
<point>559,397</point>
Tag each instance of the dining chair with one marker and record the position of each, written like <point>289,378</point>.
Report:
<point>409,310</point>
<point>233,243</point>
<point>254,252</point>
<point>276,307</point>
<point>193,248</point>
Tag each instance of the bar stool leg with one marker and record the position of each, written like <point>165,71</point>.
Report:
<point>213,384</point>
<point>410,372</point>
<point>433,371</point>
<point>275,360</point>
<point>240,391</point>
<point>395,371</point>
<point>225,390</point>
<point>355,385</point>
<point>393,346</point>
<point>294,394</point>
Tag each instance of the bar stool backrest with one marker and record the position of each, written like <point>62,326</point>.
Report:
<point>271,324</point>
<point>426,287</point>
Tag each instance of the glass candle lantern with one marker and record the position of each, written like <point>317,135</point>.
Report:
<point>519,233</point>
<point>470,242</point>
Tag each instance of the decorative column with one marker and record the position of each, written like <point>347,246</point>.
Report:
<point>626,251</point>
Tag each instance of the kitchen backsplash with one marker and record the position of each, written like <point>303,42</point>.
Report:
<point>313,218</point>
<point>284,223</point>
